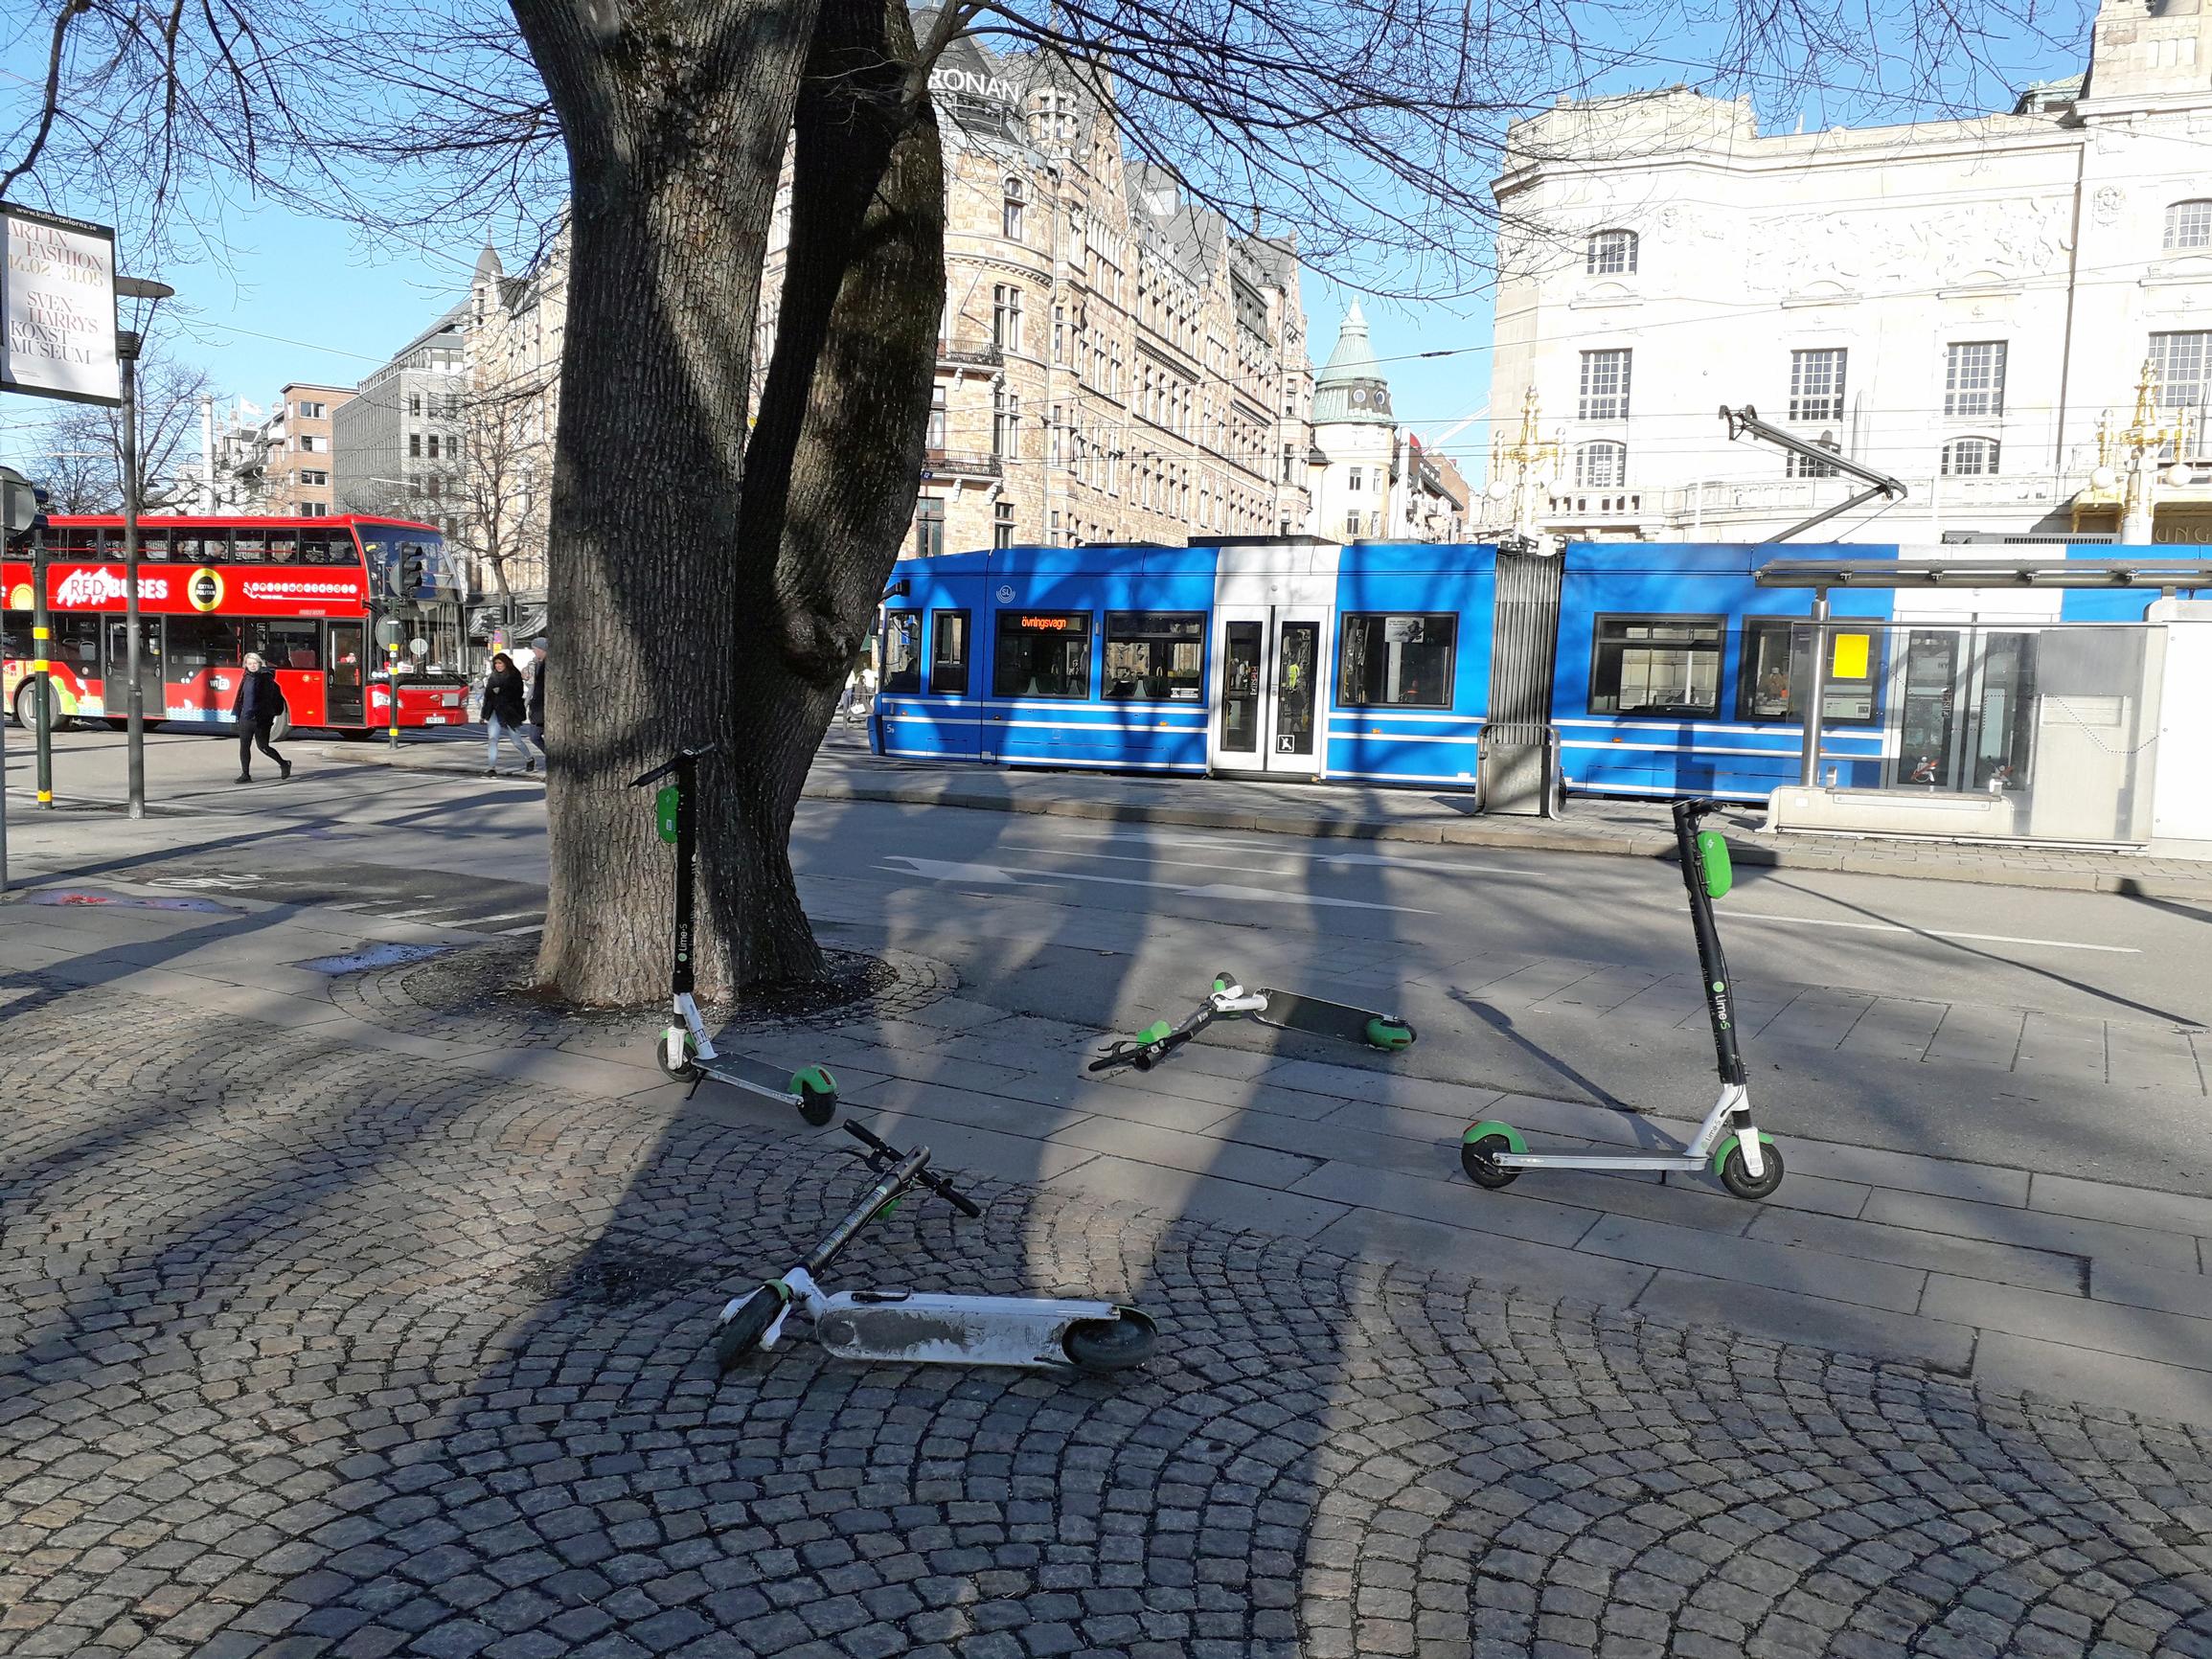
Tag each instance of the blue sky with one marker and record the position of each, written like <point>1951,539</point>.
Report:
<point>299,298</point>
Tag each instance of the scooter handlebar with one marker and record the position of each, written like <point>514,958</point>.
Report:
<point>670,764</point>
<point>936,1183</point>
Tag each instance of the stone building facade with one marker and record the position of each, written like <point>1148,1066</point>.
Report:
<point>1114,364</point>
<point>1964,306</point>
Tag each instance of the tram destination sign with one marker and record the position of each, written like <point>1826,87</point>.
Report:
<point>58,307</point>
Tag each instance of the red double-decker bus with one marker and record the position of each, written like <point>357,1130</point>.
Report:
<point>306,593</point>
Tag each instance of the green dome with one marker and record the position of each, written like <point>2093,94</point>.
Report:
<point>1351,386</point>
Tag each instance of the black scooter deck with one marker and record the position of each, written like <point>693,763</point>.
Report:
<point>1339,1021</point>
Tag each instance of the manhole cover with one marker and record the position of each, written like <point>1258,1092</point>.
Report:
<point>614,1275</point>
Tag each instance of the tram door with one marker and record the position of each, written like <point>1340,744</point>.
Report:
<point>1964,700</point>
<point>1268,710</point>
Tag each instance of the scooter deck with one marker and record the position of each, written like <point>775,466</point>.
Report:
<point>1288,1011</point>
<point>755,1077</point>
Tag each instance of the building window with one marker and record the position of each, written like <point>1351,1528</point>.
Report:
<point>415,403</point>
<point>415,446</point>
<point>1604,386</point>
<point>1396,659</point>
<point>1012,210</point>
<point>2189,225</point>
<point>1059,333</point>
<point>1157,656</point>
<point>1043,654</point>
<point>1006,317</point>
<point>936,438</point>
<point>316,411</point>
<point>928,527</point>
<point>1970,458</point>
<point>316,479</point>
<point>1816,384</point>
<point>1663,667</point>
<point>433,445</point>
<point>1002,524</point>
<point>1974,378</point>
<point>1601,466</point>
<point>903,651</point>
<point>1005,423</point>
<point>314,510</point>
<point>1611,254</point>
<point>1356,479</point>
<point>310,445</point>
<point>949,653</point>
<point>1775,669</point>
<point>1796,466</point>
<point>2181,362</point>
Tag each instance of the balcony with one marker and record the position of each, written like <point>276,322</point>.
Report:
<point>979,359</point>
<point>958,464</point>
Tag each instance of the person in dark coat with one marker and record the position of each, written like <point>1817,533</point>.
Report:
<point>256,707</point>
<point>504,711</point>
<point>537,709</point>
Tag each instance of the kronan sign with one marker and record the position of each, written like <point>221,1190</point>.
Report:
<point>966,84</point>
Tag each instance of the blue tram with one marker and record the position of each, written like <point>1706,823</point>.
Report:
<point>1674,674</point>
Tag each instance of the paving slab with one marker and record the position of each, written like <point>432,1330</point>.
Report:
<point>1181,1149</point>
<point>2110,1328</point>
<point>1454,1203</point>
<point>2065,1370</point>
<point>2034,1229</point>
<point>1861,1240</point>
<point>1539,1269</point>
<point>1193,1197</point>
<point>2103,1201</point>
<point>1818,1322</point>
<point>1777,1267</point>
<point>2139,1287</point>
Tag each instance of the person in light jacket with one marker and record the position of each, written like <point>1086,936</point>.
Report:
<point>504,712</point>
<point>258,706</point>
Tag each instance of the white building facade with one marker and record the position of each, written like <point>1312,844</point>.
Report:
<point>1966,306</point>
<point>1370,481</point>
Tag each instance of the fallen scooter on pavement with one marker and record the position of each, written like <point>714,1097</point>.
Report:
<point>1284,1010</point>
<point>685,1051</point>
<point>1747,1161</point>
<point>1036,1333</point>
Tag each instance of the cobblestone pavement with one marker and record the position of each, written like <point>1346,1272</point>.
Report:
<point>306,1350</point>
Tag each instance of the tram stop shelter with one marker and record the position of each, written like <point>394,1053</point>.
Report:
<point>2028,699</point>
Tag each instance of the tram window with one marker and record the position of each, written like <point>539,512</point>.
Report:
<point>1659,666</point>
<point>1397,659</point>
<point>1155,655</point>
<point>949,653</point>
<point>201,642</point>
<point>1776,668</point>
<point>1043,654</point>
<point>902,650</point>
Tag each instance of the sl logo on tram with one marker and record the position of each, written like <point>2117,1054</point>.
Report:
<point>204,588</point>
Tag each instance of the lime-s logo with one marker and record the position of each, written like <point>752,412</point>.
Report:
<point>204,588</point>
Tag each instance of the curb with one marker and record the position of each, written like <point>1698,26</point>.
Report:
<point>422,758</point>
<point>1475,833</point>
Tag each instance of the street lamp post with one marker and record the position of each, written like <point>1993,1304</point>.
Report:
<point>128,342</point>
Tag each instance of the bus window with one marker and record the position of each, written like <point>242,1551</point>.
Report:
<point>949,653</point>
<point>1402,660</point>
<point>1043,654</point>
<point>82,539</point>
<point>1156,655</point>
<point>201,642</point>
<point>902,650</point>
<point>316,547</point>
<point>284,545</point>
<point>153,544</point>
<point>286,645</point>
<point>76,642</point>
<point>250,546</point>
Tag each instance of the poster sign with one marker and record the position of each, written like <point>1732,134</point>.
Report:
<point>58,307</point>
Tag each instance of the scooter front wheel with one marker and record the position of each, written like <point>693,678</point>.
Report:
<point>1109,1345</point>
<point>687,1071</point>
<point>741,1333</point>
<point>1740,1181</point>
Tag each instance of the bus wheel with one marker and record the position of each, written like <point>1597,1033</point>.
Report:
<point>26,708</point>
<point>280,727</point>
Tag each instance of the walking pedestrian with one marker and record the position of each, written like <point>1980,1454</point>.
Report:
<point>504,710</point>
<point>256,709</point>
<point>537,709</point>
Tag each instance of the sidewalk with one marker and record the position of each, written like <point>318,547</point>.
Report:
<point>845,771</point>
<point>348,1311</point>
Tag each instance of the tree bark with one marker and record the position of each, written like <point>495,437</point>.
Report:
<point>836,460</point>
<point>675,113</point>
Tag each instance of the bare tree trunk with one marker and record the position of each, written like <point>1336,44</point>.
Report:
<point>675,113</point>
<point>835,459</point>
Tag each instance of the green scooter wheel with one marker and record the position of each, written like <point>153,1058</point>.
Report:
<point>741,1333</point>
<point>817,1092</point>
<point>1728,1162</point>
<point>1478,1150</point>
<point>1389,1034</point>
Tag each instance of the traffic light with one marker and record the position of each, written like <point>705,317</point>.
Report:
<point>414,571</point>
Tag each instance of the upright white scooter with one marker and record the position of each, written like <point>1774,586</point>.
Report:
<point>1747,1161</point>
